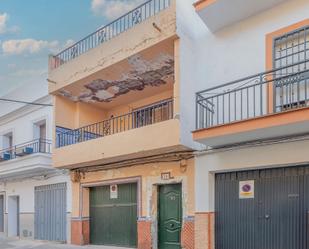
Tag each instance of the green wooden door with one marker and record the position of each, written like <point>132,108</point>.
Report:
<point>170,216</point>
<point>113,221</point>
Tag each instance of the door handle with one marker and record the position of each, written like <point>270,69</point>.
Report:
<point>267,216</point>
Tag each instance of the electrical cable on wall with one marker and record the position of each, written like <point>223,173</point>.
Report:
<point>24,102</point>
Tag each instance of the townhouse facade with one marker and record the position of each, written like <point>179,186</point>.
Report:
<point>251,180</point>
<point>124,129</point>
<point>35,198</point>
<point>127,97</point>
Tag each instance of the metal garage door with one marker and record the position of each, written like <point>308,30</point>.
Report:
<point>113,215</point>
<point>262,209</point>
<point>50,212</point>
<point>1,213</point>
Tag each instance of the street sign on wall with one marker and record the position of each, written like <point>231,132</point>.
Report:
<point>113,191</point>
<point>246,189</point>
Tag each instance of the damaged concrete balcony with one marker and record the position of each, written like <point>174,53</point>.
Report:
<point>112,98</point>
<point>111,115</point>
<point>147,25</point>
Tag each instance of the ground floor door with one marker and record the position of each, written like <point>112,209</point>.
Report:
<point>13,216</point>
<point>1,213</point>
<point>169,216</point>
<point>113,215</point>
<point>262,209</point>
<point>50,217</point>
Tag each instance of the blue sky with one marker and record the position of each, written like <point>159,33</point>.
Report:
<point>32,29</point>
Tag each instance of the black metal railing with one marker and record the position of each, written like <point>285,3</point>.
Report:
<point>273,91</point>
<point>155,113</point>
<point>28,148</point>
<point>109,31</point>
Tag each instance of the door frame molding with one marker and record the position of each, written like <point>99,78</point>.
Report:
<point>18,213</point>
<point>3,194</point>
<point>152,199</point>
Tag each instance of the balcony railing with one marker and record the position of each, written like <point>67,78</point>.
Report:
<point>269,92</point>
<point>139,118</point>
<point>109,31</point>
<point>29,148</point>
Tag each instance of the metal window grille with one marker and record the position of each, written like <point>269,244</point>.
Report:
<point>289,49</point>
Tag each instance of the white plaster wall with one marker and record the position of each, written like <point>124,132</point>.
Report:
<point>189,25</point>
<point>27,92</point>
<point>21,124</point>
<point>20,119</point>
<point>25,190</point>
<point>210,59</point>
<point>234,52</point>
<point>239,50</point>
<point>249,157</point>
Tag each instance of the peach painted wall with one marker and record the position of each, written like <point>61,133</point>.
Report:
<point>74,115</point>
<point>140,103</point>
<point>88,114</point>
<point>64,112</point>
<point>152,139</point>
<point>150,175</point>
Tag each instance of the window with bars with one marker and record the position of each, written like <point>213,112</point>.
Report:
<point>291,91</point>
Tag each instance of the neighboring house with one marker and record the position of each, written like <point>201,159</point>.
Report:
<point>252,180</point>
<point>124,112</point>
<point>35,198</point>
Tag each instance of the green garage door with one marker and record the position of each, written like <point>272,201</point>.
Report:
<point>113,215</point>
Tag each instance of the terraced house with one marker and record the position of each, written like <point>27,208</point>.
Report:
<point>35,198</point>
<point>252,116</point>
<point>123,108</point>
<point>185,124</point>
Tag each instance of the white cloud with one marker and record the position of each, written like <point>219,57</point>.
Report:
<point>113,8</point>
<point>28,46</point>
<point>4,17</point>
<point>68,43</point>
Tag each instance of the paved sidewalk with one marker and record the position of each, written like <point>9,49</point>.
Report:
<point>27,244</point>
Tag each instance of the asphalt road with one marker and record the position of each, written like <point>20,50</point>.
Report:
<point>27,244</point>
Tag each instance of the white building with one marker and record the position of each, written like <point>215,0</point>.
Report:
<point>251,185</point>
<point>35,198</point>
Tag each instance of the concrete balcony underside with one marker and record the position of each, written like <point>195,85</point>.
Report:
<point>155,139</point>
<point>288,123</point>
<point>38,164</point>
<point>218,14</point>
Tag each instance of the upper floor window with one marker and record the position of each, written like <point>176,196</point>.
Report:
<point>291,48</point>
<point>7,141</point>
<point>40,135</point>
<point>291,55</point>
<point>40,130</point>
